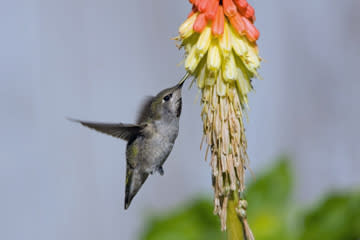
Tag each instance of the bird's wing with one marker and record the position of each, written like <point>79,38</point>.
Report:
<point>118,130</point>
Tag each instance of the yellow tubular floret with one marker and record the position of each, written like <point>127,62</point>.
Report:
<point>240,89</point>
<point>225,40</point>
<point>188,47</point>
<point>239,44</point>
<point>220,86</point>
<point>192,60</point>
<point>229,70</point>
<point>201,78</point>
<point>210,78</point>
<point>243,81</point>
<point>186,29</point>
<point>213,57</point>
<point>204,41</point>
<point>253,59</point>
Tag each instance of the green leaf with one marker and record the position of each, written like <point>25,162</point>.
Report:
<point>274,187</point>
<point>194,221</point>
<point>336,218</point>
<point>269,212</point>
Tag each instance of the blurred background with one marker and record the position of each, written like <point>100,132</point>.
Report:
<point>96,60</point>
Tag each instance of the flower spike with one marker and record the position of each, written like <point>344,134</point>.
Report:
<point>219,39</point>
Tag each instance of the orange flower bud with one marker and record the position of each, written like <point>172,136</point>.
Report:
<point>249,12</point>
<point>250,30</point>
<point>202,5</point>
<point>238,23</point>
<point>229,8</point>
<point>200,23</point>
<point>217,27</point>
<point>241,4</point>
<point>212,9</point>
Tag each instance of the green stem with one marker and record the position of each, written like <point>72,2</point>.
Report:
<point>234,225</point>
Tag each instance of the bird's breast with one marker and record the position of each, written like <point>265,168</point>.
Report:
<point>157,148</point>
<point>167,131</point>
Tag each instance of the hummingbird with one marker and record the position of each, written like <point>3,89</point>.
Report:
<point>150,140</point>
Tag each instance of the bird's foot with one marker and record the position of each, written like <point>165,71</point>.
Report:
<point>160,170</point>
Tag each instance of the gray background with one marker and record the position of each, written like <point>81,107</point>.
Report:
<point>96,60</point>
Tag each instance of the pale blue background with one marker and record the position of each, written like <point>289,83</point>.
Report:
<point>96,60</point>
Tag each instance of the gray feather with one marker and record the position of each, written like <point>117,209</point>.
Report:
<point>118,130</point>
<point>145,110</point>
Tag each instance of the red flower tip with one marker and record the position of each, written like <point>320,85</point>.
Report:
<point>241,4</point>
<point>238,23</point>
<point>202,5</point>
<point>250,12</point>
<point>212,9</point>
<point>239,12</point>
<point>200,23</point>
<point>229,8</point>
<point>250,30</point>
<point>217,27</point>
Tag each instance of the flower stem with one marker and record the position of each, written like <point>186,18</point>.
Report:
<point>235,228</point>
<point>238,227</point>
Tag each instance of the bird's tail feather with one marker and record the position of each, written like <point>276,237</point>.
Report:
<point>135,178</point>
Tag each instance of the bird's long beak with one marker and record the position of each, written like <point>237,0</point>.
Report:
<point>181,83</point>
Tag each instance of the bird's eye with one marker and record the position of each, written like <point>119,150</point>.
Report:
<point>167,97</point>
